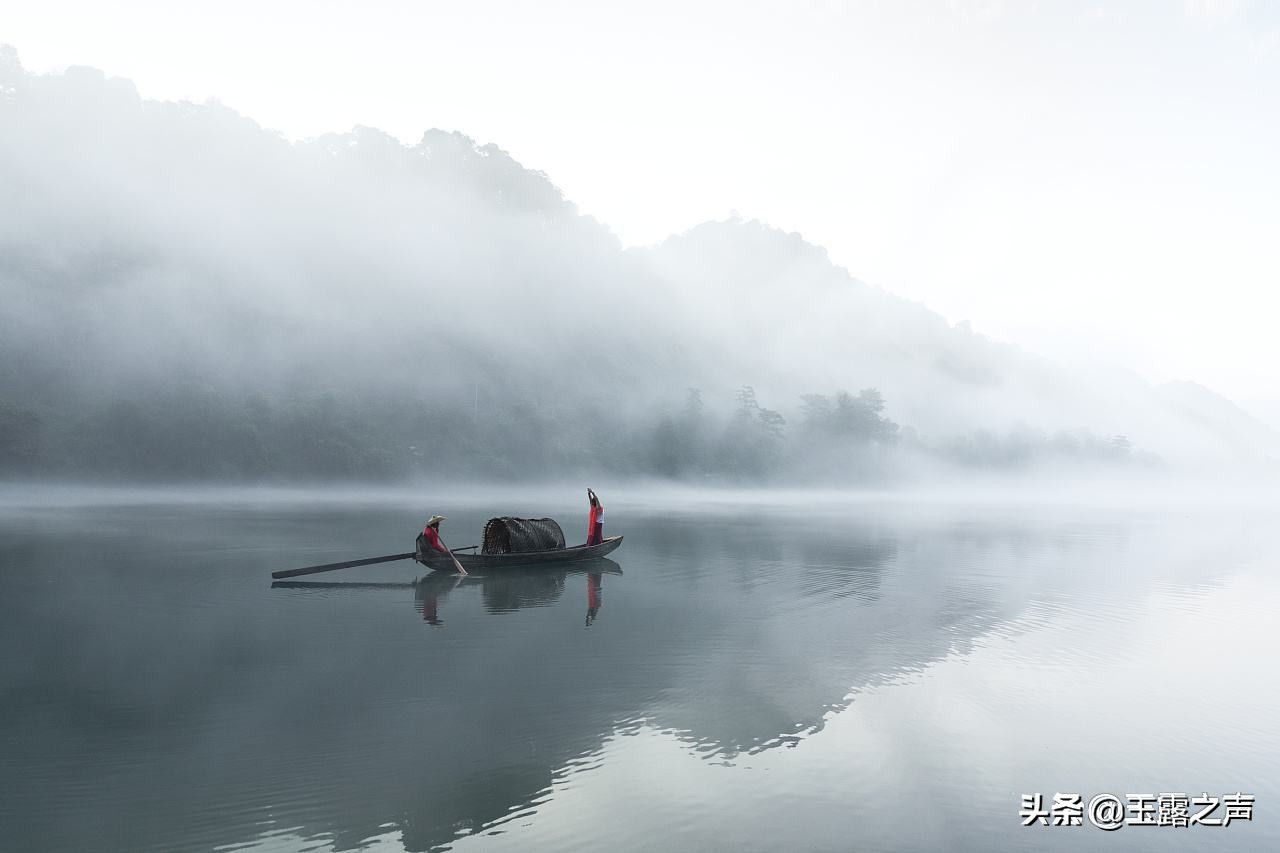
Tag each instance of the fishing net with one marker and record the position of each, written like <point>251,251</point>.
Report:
<point>517,535</point>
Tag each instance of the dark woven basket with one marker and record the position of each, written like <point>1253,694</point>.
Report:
<point>517,535</point>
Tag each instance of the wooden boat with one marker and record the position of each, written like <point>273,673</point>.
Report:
<point>439,562</point>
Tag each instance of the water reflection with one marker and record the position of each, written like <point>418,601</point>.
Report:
<point>595,595</point>
<point>502,590</point>
<point>166,700</point>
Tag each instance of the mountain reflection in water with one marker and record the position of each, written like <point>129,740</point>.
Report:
<point>159,695</point>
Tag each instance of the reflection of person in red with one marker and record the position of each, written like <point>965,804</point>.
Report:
<point>595,520</point>
<point>429,591</point>
<point>430,610</point>
<point>595,588</point>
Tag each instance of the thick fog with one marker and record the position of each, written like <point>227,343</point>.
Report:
<point>187,295</point>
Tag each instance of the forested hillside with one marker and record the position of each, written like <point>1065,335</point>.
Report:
<point>187,295</point>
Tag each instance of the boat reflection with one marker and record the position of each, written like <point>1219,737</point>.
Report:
<point>324,715</point>
<point>501,590</point>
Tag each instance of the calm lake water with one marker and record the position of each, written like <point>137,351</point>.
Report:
<point>830,674</point>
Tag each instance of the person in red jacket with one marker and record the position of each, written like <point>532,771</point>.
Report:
<point>595,520</point>
<point>431,535</point>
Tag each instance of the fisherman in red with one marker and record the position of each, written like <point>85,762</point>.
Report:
<point>431,535</point>
<point>595,520</point>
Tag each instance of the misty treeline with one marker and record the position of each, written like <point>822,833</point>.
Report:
<point>189,434</point>
<point>184,294</point>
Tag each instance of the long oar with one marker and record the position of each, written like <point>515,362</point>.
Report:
<point>461,571</point>
<point>330,567</point>
<point>340,585</point>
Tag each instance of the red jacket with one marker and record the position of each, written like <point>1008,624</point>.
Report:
<point>595,525</point>
<point>433,539</point>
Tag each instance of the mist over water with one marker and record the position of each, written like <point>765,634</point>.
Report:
<point>882,574</point>
<point>819,674</point>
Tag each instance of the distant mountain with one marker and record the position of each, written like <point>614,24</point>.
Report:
<point>775,308</point>
<point>186,294</point>
<point>1217,416</point>
<point>1266,408</point>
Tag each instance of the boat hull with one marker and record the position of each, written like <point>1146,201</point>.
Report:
<point>439,562</point>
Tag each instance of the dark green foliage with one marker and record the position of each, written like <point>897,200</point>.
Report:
<point>750,445</point>
<point>195,433</point>
<point>1023,448</point>
<point>844,438</point>
<point>848,416</point>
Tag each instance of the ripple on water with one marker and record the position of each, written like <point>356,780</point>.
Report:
<point>763,686</point>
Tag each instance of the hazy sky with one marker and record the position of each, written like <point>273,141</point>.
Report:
<point>1093,181</point>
